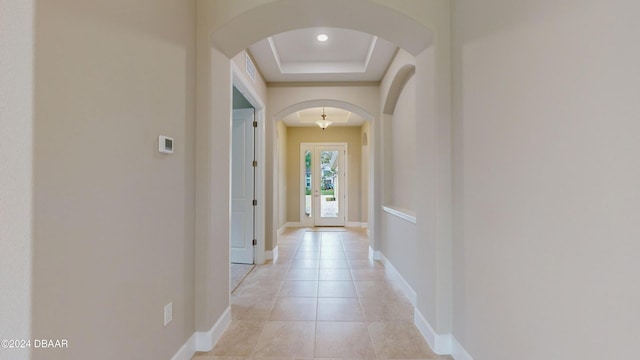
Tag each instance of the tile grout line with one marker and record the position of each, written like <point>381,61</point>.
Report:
<point>255,347</point>
<point>364,316</point>
<point>315,334</point>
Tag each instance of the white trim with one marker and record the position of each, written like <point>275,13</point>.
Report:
<point>305,221</point>
<point>374,255</point>
<point>272,255</point>
<point>404,214</point>
<point>240,81</point>
<point>372,46</point>
<point>327,103</point>
<point>441,344</point>
<point>187,350</point>
<point>274,51</point>
<point>356,224</point>
<point>458,352</point>
<point>205,341</point>
<point>282,228</point>
<point>404,285</point>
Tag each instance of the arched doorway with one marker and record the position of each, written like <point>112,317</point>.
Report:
<point>227,27</point>
<point>303,195</point>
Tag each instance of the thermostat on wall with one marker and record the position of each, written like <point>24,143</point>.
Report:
<point>165,144</point>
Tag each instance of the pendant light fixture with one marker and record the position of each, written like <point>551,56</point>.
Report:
<point>324,123</point>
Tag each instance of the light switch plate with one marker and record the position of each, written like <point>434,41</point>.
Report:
<point>165,144</point>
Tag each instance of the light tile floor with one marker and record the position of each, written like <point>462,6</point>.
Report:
<point>322,299</point>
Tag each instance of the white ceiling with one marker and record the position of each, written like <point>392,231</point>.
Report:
<point>347,56</point>
<point>338,117</point>
<point>298,56</point>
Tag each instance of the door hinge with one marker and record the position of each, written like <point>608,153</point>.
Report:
<point>255,242</point>
<point>255,163</point>
<point>255,124</point>
<point>255,202</point>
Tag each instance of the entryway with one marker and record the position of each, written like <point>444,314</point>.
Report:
<point>323,192</point>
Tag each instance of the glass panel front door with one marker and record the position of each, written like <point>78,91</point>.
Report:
<point>329,183</point>
<point>308,181</point>
<point>323,181</point>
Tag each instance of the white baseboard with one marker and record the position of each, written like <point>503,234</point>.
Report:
<point>440,344</point>
<point>374,255</point>
<point>204,341</point>
<point>404,285</point>
<point>363,225</point>
<point>187,350</point>
<point>458,352</point>
<point>272,255</point>
<point>282,229</point>
<point>301,225</point>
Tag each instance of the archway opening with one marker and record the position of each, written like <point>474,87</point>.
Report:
<point>296,138</point>
<point>225,30</point>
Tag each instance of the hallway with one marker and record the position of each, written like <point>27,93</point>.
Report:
<point>322,298</point>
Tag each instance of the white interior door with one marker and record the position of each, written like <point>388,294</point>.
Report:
<point>242,187</point>
<point>324,184</point>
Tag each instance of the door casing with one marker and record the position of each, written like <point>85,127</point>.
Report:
<point>240,81</point>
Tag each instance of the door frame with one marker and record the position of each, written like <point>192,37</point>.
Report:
<point>243,84</point>
<point>309,222</point>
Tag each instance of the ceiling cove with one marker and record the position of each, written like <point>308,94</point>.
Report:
<point>345,55</point>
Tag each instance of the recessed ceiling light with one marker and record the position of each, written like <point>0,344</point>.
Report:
<point>323,37</point>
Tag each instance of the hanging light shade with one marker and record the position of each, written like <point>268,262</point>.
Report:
<point>324,123</point>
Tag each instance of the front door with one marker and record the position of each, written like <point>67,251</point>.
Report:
<point>324,184</point>
<point>242,187</point>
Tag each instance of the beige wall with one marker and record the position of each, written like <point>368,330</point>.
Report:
<point>114,219</point>
<point>403,156</point>
<point>365,95</point>
<point>365,156</point>
<point>546,179</point>
<point>16,172</point>
<point>419,251</point>
<point>399,237</point>
<point>345,134</point>
<point>259,85</point>
<point>282,151</point>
